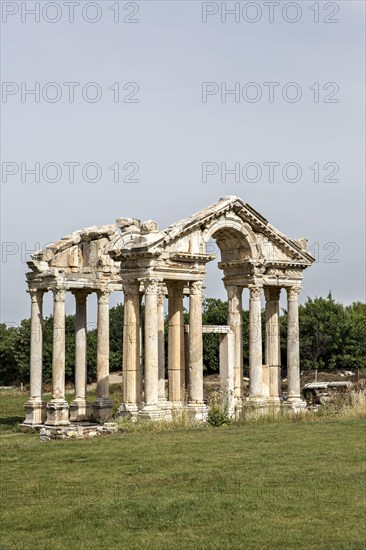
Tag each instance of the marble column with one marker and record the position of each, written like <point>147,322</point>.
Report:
<point>196,406</point>
<point>293,349</point>
<point>80,407</point>
<point>255,345</point>
<point>272,342</point>
<point>227,365</point>
<point>151,409</point>
<point>131,367</point>
<point>35,407</point>
<point>176,363</point>
<point>235,321</point>
<point>58,408</point>
<point>102,407</point>
<point>161,344</point>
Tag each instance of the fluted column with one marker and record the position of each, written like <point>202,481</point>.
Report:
<point>35,408</point>
<point>151,379</point>
<point>102,407</point>
<point>176,365</point>
<point>255,344</point>
<point>80,407</point>
<point>161,343</point>
<point>58,408</point>
<point>131,384</point>
<point>195,384</point>
<point>293,348</point>
<point>272,342</point>
<point>235,320</point>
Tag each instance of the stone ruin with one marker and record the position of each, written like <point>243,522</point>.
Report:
<point>151,265</point>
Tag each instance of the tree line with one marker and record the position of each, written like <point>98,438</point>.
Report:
<point>332,336</point>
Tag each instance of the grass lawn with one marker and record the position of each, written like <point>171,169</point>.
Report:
<point>286,486</point>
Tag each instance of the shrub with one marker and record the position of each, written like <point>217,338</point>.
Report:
<point>217,413</point>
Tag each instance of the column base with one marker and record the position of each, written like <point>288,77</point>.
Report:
<point>255,406</point>
<point>128,410</point>
<point>175,405</point>
<point>35,412</point>
<point>197,411</point>
<point>294,404</point>
<point>102,410</point>
<point>151,412</point>
<point>166,407</point>
<point>164,403</point>
<point>274,404</point>
<point>235,407</point>
<point>57,413</point>
<point>80,410</point>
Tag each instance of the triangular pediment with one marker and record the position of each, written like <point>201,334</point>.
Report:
<point>271,242</point>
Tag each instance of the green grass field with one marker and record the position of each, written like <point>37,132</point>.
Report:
<point>275,485</point>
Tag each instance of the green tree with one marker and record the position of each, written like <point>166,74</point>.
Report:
<point>331,335</point>
<point>8,363</point>
<point>354,341</point>
<point>214,312</point>
<point>115,337</point>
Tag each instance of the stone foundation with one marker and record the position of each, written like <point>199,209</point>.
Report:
<point>77,431</point>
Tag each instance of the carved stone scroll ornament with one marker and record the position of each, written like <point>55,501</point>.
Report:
<point>293,293</point>
<point>151,286</point>
<point>255,292</point>
<point>197,288</point>
<point>103,295</point>
<point>59,294</point>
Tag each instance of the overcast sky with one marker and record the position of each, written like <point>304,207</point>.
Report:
<point>151,113</point>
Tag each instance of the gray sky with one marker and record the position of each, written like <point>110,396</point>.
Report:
<point>163,125</point>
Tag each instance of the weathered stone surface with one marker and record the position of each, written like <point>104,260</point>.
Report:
<point>77,431</point>
<point>149,264</point>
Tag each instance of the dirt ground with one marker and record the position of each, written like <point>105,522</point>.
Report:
<point>211,382</point>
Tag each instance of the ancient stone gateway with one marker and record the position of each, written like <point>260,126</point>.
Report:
<point>152,265</point>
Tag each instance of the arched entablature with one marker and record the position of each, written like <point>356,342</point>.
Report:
<point>235,239</point>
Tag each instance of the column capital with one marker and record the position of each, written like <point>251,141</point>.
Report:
<point>272,293</point>
<point>255,292</point>
<point>197,288</point>
<point>36,294</point>
<point>131,287</point>
<point>151,286</point>
<point>80,293</point>
<point>234,291</point>
<point>162,290</point>
<point>293,293</point>
<point>175,286</point>
<point>59,294</point>
<point>103,295</point>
